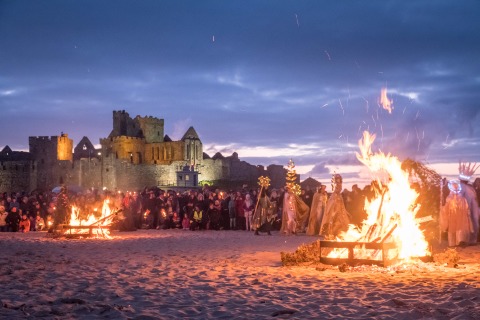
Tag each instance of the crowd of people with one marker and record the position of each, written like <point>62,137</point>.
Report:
<point>316,212</point>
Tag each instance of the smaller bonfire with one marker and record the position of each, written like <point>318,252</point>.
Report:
<point>94,225</point>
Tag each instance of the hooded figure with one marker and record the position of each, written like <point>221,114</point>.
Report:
<point>336,218</point>
<point>466,171</point>
<point>264,215</point>
<point>294,213</point>
<point>317,210</point>
<point>455,217</point>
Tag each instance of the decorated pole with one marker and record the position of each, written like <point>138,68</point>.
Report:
<point>263,182</point>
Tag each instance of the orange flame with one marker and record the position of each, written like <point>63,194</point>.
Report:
<point>391,213</point>
<point>97,224</point>
<point>386,103</point>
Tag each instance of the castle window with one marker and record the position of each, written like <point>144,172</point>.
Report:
<point>106,170</point>
<point>187,177</point>
<point>180,177</point>
<point>16,167</point>
<point>84,147</point>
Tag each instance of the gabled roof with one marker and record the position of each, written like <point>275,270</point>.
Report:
<point>8,155</point>
<point>6,150</point>
<point>218,155</point>
<point>167,138</point>
<point>85,141</point>
<point>311,183</point>
<point>206,156</point>
<point>190,134</point>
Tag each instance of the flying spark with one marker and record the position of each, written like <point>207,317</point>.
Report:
<point>418,114</point>
<point>326,104</point>
<point>328,55</point>
<point>366,104</point>
<point>341,106</point>
<point>296,18</point>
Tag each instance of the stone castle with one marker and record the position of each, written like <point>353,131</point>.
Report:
<point>136,154</point>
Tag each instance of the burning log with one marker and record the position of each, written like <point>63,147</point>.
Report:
<point>89,227</point>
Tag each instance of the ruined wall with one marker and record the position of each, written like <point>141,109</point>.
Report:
<point>212,170</point>
<point>124,148</point>
<point>44,152</point>
<point>87,173</point>
<point>123,125</point>
<point>164,153</point>
<point>193,151</point>
<point>152,128</point>
<point>277,175</point>
<point>123,175</point>
<point>16,176</point>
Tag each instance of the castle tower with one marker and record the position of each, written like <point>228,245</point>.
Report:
<point>64,147</point>
<point>54,157</point>
<point>193,153</point>
<point>123,125</point>
<point>152,128</point>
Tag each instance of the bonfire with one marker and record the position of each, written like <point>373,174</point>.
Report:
<point>391,231</point>
<point>93,225</point>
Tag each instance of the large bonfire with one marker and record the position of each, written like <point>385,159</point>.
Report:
<point>391,213</point>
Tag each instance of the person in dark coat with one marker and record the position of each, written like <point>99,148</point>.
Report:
<point>13,219</point>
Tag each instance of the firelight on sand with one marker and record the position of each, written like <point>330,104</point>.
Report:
<point>391,213</point>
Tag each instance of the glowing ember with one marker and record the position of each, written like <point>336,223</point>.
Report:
<point>391,214</point>
<point>98,226</point>
<point>385,102</point>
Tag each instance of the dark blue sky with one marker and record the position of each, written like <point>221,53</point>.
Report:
<point>271,80</point>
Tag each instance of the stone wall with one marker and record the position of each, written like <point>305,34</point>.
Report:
<point>152,128</point>
<point>164,153</point>
<point>125,148</point>
<point>16,176</point>
<point>87,173</point>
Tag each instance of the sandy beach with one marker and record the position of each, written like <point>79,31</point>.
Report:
<point>172,274</point>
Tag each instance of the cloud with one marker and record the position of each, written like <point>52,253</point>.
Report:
<point>319,169</point>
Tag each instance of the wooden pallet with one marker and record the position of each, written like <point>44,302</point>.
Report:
<point>382,247</point>
<point>67,231</point>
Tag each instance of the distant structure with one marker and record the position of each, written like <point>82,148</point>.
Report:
<point>136,154</point>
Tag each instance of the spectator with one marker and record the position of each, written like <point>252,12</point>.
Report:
<point>13,218</point>
<point>185,222</point>
<point>3,217</point>
<point>248,207</point>
<point>197,219</point>
<point>24,225</point>
<point>39,223</point>
<point>231,212</point>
